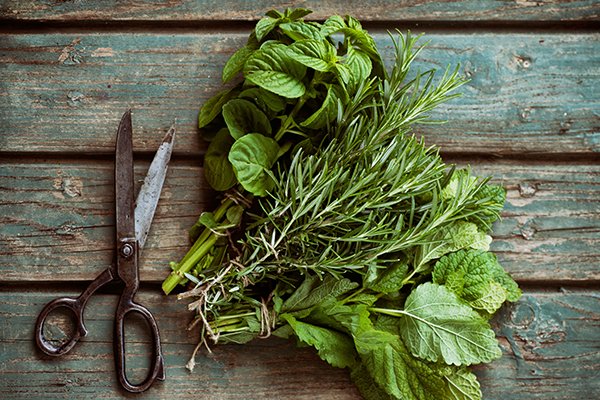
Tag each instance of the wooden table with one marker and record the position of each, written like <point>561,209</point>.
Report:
<point>530,117</point>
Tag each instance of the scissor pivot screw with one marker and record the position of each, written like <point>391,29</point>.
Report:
<point>127,250</point>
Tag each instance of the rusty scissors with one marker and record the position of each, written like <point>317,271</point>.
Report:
<point>132,226</point>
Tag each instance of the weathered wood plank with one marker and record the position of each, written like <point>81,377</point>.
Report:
<point>56,219</point>
<point>186,10</point>
<point>550,343</point>
<point>529,93</point>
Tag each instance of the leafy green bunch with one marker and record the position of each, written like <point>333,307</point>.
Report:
<point>295,75</point>
<point>365,245</point>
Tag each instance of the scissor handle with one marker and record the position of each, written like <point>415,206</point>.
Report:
<point>157,371</point>
<point>73,304</point>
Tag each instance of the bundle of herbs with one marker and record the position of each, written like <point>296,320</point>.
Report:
<point>337,227</point>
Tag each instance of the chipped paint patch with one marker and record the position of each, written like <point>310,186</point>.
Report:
<point>67,186</point>
<point>75,99</point>
<point>103,52</point>
<point>70,54</point>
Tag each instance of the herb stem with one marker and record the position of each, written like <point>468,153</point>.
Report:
<point>176,276</point>
<point>201,248</point>
<point>389,311</point>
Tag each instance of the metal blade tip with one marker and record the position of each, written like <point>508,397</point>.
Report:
<point>170,135</point>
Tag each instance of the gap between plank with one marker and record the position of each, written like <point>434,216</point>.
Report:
<point>195,158</point>
<point>15,26</point>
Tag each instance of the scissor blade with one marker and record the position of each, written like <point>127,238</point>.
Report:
<point>124,180</point>
<point>147,199</point>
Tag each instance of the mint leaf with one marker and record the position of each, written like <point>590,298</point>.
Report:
<point>490,299</point>
<point>316,54</point>
<point>252,157</point>
<point>456,236</point>
<point>436,326</point>
<point>477,278</point>
<point>513,293</point>
<point>326,113</point>
<point>273,69</point>
<point>213,106</point>
<point>333,24</point>
<point>298,30</point>
<point>360,64</point>
<point>218,171</point>
<point>297,13</point>
<point>334,347</point>
<point>343,73</point>
<point>242,117</point>
<point>267,101</point>
<point>264,26</point>
<point>236,62</point>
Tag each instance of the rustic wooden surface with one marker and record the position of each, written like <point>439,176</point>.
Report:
<point>527,92</point>
<point>530,117</point>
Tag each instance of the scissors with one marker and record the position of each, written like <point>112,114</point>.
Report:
<point>132,226</point>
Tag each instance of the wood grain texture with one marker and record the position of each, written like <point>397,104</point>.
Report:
<point>56,219</point>
<point>528,94</point>
<point>550,342</point>
<point>205,10</point>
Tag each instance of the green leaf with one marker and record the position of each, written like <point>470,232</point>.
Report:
<point>402,376</point>
<point>267,101</point>
<point>388,280</point>
<point>234,214</point>
<point>469,275</point>
<point>236,62</point>
<point>326,113</point>
<point>360,64</point>
<point>252,157</point>
<point>237,337</point>
<point>513,293</point>
<point>359,38</point>
<point>207,219</point>
<point>491,298</point>
<point>436,326</point>
<point>341,317</point>
<point>274,14</point>
<point>333,24</point>
<point>477,278</point>
<point>298,13</point>
<point>456,236</point>
<point>366,385</point>
<point>334,347</point>
<point>316,54</point>
<point>274,69</point>
<point>343,73</point>
<point>218,171</point>
<point>460,178</point>
<point>242,117</point>
<point>213,106</point>
<point>264,26</point>
<point>297,30</point>
<point>463,385</point>
<point>312,292</point>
